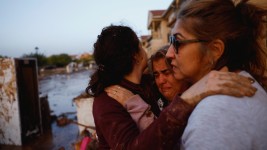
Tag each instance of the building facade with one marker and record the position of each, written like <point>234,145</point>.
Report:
<point>160,23</point>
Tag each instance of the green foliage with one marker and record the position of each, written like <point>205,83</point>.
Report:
<point>60,60</point>
<point>3,56</point>
<point>85,61</point>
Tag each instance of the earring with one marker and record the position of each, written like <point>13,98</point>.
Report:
<point>212,62</point>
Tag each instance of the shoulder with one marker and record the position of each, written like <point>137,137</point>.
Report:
<point>107,110</point>
<point>224,107</point>
<point>214,109</point>
<point>105,104</point>
<point>212,119</point>
<point>227,120</point>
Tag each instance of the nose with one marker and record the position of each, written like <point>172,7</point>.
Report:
<point>170,52</point>
<point>161,79</point>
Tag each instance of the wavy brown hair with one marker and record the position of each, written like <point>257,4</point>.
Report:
<point>114,52</point>
<point>239,25</point>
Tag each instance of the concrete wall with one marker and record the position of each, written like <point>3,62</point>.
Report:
<point>84,113</point>
<point>10,131</point>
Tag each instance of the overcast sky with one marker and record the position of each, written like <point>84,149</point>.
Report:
<point>67,26</point>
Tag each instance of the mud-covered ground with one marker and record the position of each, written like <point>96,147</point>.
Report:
<point>60,89</point>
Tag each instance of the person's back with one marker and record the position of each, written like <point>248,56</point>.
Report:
<point>220,119</point>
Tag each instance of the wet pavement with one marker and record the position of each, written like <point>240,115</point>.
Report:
<point>60,89</point>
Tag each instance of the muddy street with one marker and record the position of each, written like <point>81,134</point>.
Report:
<point>60,89</point>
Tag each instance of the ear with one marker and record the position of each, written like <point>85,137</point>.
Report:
<point>136,58</point>
<point>217,48</point>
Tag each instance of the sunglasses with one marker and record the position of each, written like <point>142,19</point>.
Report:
<point>177,43</point>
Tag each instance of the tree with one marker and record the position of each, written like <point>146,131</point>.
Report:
<point>3,56</point>
<point>60,60</point>
<point>85,58</point>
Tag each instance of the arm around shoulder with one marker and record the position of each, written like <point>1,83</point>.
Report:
<point>139,111</point>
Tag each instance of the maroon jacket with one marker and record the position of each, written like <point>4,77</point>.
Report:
<point>116,129</point>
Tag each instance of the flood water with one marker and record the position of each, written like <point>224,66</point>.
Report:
<point>60,89</point>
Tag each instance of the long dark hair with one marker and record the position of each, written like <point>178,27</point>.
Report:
<point>240,26</point>
<point>114,53</point>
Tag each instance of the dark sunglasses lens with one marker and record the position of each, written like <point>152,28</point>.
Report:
<point>175,43</point>
<point>170,39</point>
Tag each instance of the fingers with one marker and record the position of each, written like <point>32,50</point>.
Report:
<point>229,83</point>
<point>224,69</point>
<point>114,89</point>
<point>112,94</point>
<point>237,76</point>
<point>237,85</point>
<point>232,92</point>
<point>236,89</point>
<point>217,82</point>
<point>118,93</point>
<point>230,76</point>
<point>120,89</point>
<point>110,90</point>
<point>233,76</point>
<point>242,82</point>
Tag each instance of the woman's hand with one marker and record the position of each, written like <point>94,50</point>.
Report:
<point>219,82</point>
<point>119,93</point>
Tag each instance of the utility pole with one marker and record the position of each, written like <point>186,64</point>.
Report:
<point>36,50</point>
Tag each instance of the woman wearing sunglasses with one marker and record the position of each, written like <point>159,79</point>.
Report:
<point>122,60</point>
<point>210,34</point>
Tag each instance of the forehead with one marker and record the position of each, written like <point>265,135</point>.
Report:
<point>177,27</point>
<point>179,30</point>
<point>159,64</point>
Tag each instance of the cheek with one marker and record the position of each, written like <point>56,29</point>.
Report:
<point>145,58</point>
<point>157,82</point>
<point>188,55</point>
<point>145,55</point>
<point>171,80</point>
<point>188,63</point>
<point>185,61</point>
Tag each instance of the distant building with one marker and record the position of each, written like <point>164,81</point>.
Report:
<point>85,56</point>
<point>158,26</point>
<point>71,67</point>
<point>92,64</point>
<point>74,57</point>
<point>160,23</point>
<point>145,41</point>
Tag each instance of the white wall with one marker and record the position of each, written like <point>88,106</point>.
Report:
<point>10,128</point>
